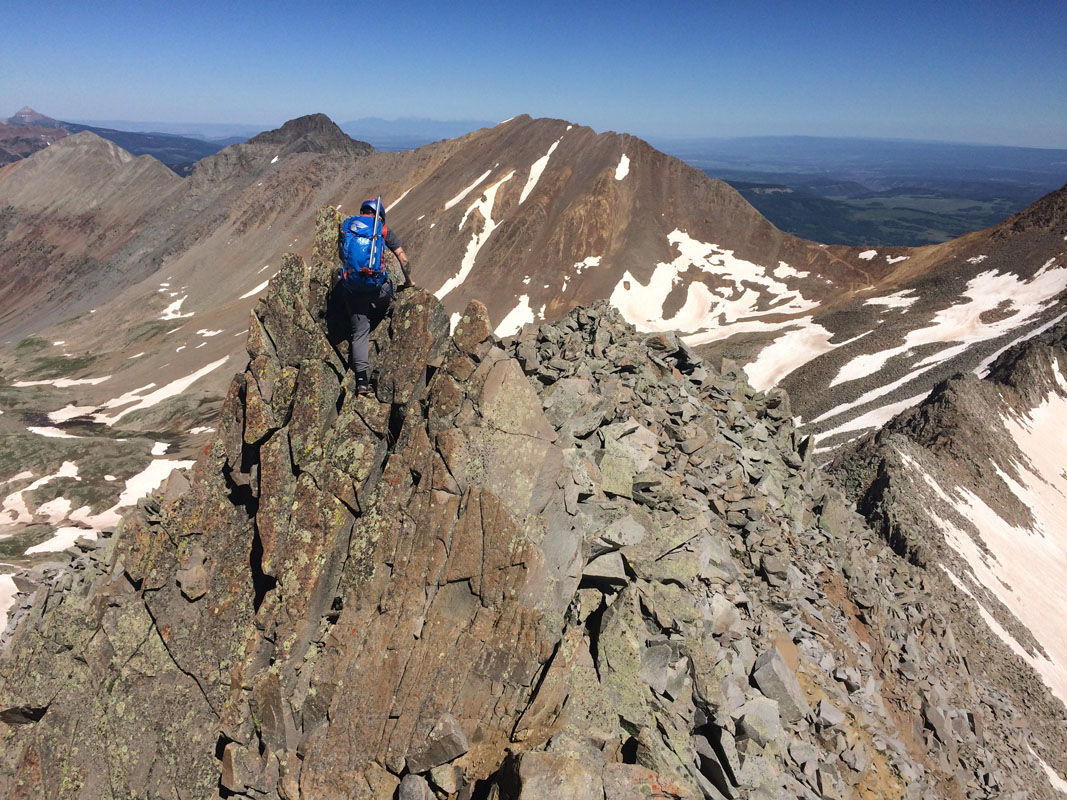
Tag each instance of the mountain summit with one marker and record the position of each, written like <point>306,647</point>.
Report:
<point>28,117</point>
<point>314,133</point>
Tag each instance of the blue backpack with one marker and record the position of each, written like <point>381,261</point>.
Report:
<point>362,246</point>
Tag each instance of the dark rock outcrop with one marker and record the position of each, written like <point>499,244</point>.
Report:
<point>314,133</point>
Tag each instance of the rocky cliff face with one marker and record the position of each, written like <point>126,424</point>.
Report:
<point>582,564</point>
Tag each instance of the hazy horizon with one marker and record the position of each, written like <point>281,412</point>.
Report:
<point>992,73</point>
<point>187,128</point>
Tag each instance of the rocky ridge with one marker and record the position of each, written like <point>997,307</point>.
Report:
<point>936,466</point>
<point>582,563</point>
<point>960,423</point>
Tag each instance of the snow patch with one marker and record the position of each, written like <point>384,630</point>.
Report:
<point>62,539</point>
<point>459,197</point>
<point>8,592</point>
<point>705,309</point>
<point>69,412</point>
<point>977,259</point>
<point>63,383</point>
<point>623,169</point>
<point>255,291</point>
<point>173,311</point>
<point>159,448</point>
<point>896,259</point>
<point>484,205</point>
<point>274,160</point>
<point>895,300</point>
<point>867,255</point>
<point>869,397</point>
<point>172,389</point>
<point>875,418</point>
<point>783,270</point>
<point>1058,783</point>
<point>148,480</point>
<point>586,263</point>
<point>521,315</point>
<point>52,433</point>
<point>983,369</point>
<point>206,333</point>
<point>535,171</point>
<point>789,351</point>
<point>1036,597</point>
<point>14,510</point>
<point>201,429</point>
<point>54,510</point>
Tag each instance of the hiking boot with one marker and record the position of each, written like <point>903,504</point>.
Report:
<point>362,383</point>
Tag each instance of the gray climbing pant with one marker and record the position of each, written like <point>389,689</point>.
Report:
<point>365,311</point>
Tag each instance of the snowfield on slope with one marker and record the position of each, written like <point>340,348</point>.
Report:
<point>1036,597</point>
<point>136,396</point>
<point>536,169</point>
<point>8,590</point>
<point>963,324</point>
<point>484,205</point>
<point>705,309</point>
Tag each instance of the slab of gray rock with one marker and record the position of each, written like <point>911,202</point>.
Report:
<point>617,475</point>
<point>535,775</point>
<point>776,680</point>
<point>828,715</point>
<point>759,720</point>
<point>445,742</point>
<point>415,787</point>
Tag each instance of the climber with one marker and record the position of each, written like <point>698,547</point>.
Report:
<point>368,291</point>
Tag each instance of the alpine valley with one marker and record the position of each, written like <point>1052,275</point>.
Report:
<point>651,500</point>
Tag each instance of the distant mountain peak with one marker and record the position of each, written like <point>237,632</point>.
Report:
<point>313,133</point>
<point>27,116</point>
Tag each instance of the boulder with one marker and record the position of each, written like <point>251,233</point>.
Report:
<point>776,680</point>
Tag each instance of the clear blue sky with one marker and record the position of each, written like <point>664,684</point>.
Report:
<point>972,71</point>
